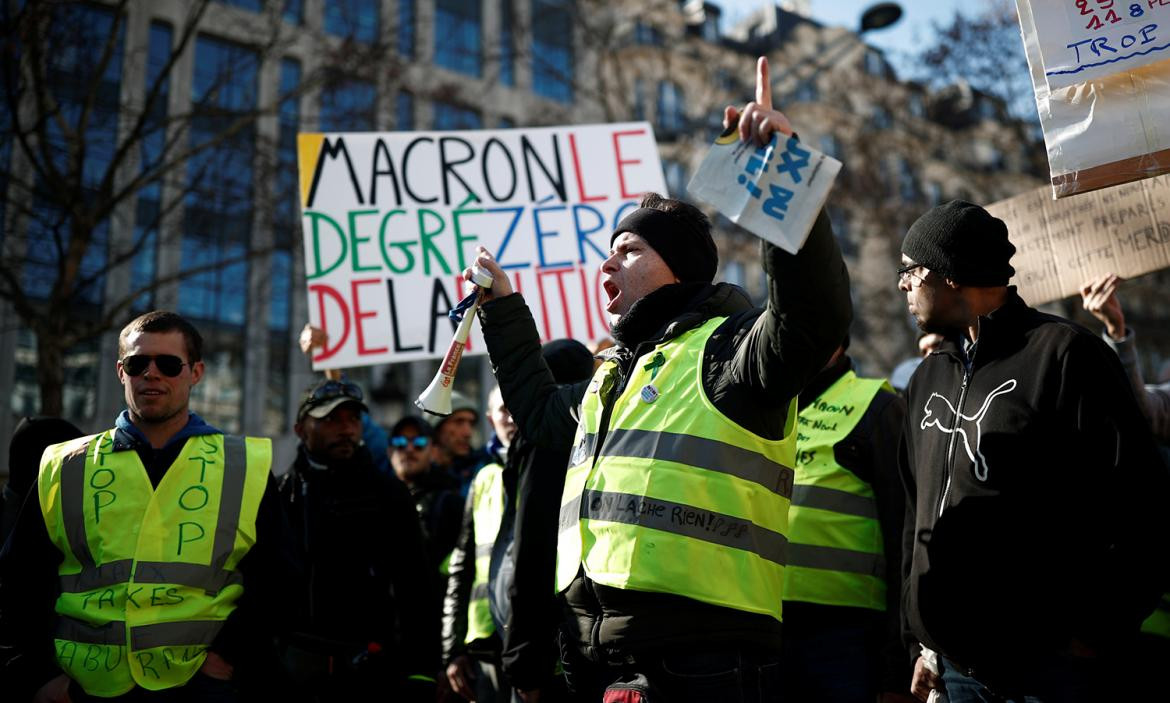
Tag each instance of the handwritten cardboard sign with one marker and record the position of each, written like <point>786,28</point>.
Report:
<point>775,191</point>
<point>391,220</point>
<point>1085,39</point>
<point>1101,73</point>
<point>1060,244</point>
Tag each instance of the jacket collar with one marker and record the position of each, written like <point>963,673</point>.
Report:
<point>824,380</point>
<point>127,436</point>
<point>995,328</point>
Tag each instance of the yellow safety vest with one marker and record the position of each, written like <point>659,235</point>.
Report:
<point>1159,621</point>
<point>679,499</point>
<point>148,575</point>
<point>487,512</point>
<point>835,550</point>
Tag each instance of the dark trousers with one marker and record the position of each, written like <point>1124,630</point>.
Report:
<point>830,662</point>
<point>700,676</point>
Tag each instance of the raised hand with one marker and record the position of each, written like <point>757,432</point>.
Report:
<point>1099,297</point>
<point>758,120</point>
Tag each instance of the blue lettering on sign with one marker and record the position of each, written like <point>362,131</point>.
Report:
<point>792,165</point>
<point>1100,48</point>
<point>793,160</point>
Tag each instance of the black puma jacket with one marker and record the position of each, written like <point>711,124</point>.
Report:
<point>1036,521</point>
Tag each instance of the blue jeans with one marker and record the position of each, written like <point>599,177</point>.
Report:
<point>1056,680</point>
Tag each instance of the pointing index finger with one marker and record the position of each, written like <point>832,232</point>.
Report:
<point>763,84</point>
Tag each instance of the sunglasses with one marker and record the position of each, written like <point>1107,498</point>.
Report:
<point>400,442</point>
<point>333,389</point>
<point>167,364</point>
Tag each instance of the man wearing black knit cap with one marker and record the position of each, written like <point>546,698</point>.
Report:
<point>1034,543</point>
<point>671,544</point>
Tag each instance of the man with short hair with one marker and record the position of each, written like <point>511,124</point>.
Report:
<point>453,451</point>
<point>359,632</point>
<point>672,536</point>
<point>153,547</point>
<point>1036,532</point>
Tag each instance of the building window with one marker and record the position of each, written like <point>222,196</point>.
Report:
<point>404,111</point>
<point>916,106</point>
<point>806,92</point>
<point>507,43</point>
<point>735,273</point>
<point>294,12</point>
<point>934,193</point>
<point>907,180</point>
<point>348,105</point>
<point>407,17</point>
<point>831,146</point>
<point>253,5</point>
<point>670,107</point>
<point>880,117</point>
<point>449,116</point>
<point>353,19</point>
<point>76,38</point>
<point>507,123</point>
<point>725,80</point>
<point>875,65</point>
<point>647,34</point>
<point>459,36</point>
<point>639,99</point>
<point>148,212</point>
<point>676,177</point>
<point>552,49</point>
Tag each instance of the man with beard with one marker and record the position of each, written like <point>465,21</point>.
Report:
<point>1036,533</point>
<point>362,630</point>
<point>672,533</point>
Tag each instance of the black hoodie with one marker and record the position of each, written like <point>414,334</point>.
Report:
<point>1036,521</point>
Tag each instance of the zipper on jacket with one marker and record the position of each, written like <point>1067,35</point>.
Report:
<point>949,466</point>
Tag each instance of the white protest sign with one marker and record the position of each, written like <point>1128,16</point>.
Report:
<point>1060,244</point>
<point>775,191</point>
<point>1085,39</point>
<point>391,220</point>
<point>1101,73</point>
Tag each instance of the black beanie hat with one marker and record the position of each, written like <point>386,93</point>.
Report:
<point>963,242</point>
<point>687,249</point>
<point>32,436</point>
<point>569,360</point>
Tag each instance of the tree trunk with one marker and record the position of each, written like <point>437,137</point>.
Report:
<point>51,373</point>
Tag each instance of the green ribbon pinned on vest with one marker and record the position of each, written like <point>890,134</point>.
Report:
<point>656,363</point>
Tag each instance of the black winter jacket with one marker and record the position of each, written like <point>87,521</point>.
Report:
<point>1036,520</point>
<point>359,537</point>
<point>756,362</point>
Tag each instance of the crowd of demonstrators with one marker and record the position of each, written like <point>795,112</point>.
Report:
<point>147,561</point>
<point>1035,489</point>
<point>711,506</point>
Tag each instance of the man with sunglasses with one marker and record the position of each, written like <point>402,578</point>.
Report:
<point>1036,532</point>
<point>154,548</point>
<point>358,631</point>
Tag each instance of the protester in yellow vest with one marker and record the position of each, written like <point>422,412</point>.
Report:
<point>142,541</point>
<point>842,588</point>
<point>675,509</point>
<point>471,640</point>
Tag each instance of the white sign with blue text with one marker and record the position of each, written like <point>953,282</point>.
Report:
<point>1082,40</point>
<point>775,191</point>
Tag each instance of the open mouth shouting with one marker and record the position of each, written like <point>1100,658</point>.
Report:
<point>613,295</point>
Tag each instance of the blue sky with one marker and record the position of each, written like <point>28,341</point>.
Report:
<point>903,39</point>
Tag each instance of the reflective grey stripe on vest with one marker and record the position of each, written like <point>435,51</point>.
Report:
<point>483,550</point>
<point>836,559</point>
<point>208,578</point>
<point>709,454</point>
<point>834,500</point>
<point>74,630</point>
<point>95,577</point>
<point>479,591</point>
<point>211,579</point>
<point>174,634</point>
<point>73,506</point>
<point>680,519</point>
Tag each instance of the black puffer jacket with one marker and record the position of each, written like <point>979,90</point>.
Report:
<point>756,361</point>
<point>1035,515</point>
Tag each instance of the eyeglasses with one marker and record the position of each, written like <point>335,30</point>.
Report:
<point>167,364</point>
<point>401,442</point>
<point>333,389</point>
<point>904,275</point>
